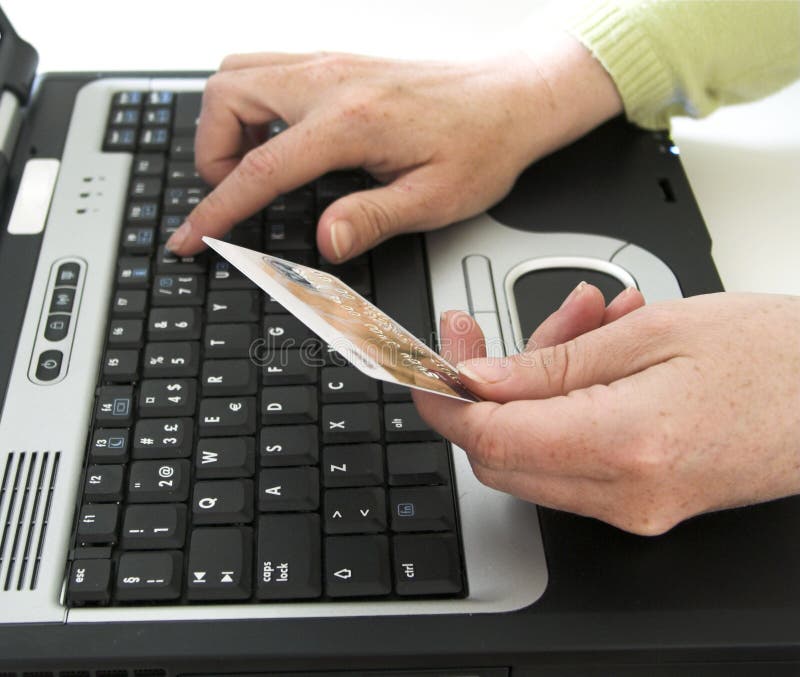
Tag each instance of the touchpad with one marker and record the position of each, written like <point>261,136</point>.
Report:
<point>540,292</point>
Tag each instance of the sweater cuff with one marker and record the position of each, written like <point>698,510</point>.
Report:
<point>623,47</point>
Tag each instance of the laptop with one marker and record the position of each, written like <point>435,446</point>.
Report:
<point>168,506</point>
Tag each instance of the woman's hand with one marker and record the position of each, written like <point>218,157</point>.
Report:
<point>447,139</point>
<point>667,411</point>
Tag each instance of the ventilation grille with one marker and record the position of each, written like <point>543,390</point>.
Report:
<point>26,495</point>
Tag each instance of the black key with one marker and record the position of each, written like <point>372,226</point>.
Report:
<point>272,307</point>
<point>157,98</point>
<point>169,359</point>
<point>357,566</point>
<point>288,234</point>
<point>162,438</point>
<point>103,484</point>
<point>227,416</point>
<point>124,117</point>
<point>121,366</point>
<point>134,99</point>
<point>418,463</point>
<point>394,392</point>
<point>229,340</point>
<point>182,148</point>
<point>138,239</point>
<point>404,424</point>
<point>400,285</point>
<point>291,206</point>
<point>154,138</point>
<point>224,457</point>
<point>173,324</point>
<point>286,367</point>
<point>49,365</point>
<point>353,511</point>
<point>62,300</point>
<point>165,481</point>
<point>233,306</point>
<point>146,187</point>
<point>182,199</point>
<point>92,552</point>
<point>334,185</point>
<point>67,275</point>
<point>422,509</point>
<point>169,224</point>
<point>223,502</point>
<point>352,465</point>
<point>167,397</point>
<point>187,112</point>
<point>157,117</point>
<point>354,276</point>
<point>288,404</point>
<point>183,174</point>
<point>130,303</point>
<point>154,527</point>
<point>97,523</point>
<point>57,327</point>
<point>167,262</point>
<point>276,127</point>
<point>285,332</point>
<point>248,234</point>
<point>142,214</point>
<point>288,489</point>
<point>148,165</point>
<point>220,563</point>
<point>114,406</point>
<point>347,384</point>
<point>120,138</point>
<point>427,564</point>
<point>332,357</point>
<point>283,445</point>
<point>89,581</point>
<point>288,559</point>
<point>133,272</point>
<point>305,257</point>
<point>109,445</point>
<point>126,333</point>
<point>178,290</point>
<point>229,377</point>
<point>222,275</point>
<point>149,576</point>
<point>350,423</point>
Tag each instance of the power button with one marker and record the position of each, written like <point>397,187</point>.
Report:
<point>48,366</point>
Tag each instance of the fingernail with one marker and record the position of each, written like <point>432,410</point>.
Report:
<point>179,236</point>
<point>485,371</point>
<point>342,238</point>
<point>575,293</point>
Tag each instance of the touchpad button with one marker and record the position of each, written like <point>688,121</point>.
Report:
<point>538,293</point>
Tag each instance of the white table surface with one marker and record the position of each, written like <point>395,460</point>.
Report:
<point>743,162</point>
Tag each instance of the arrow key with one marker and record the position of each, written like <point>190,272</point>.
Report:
<point>357,566</point>
<point>353,511</point>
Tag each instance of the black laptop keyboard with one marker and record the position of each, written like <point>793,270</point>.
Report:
<point>233,457</point>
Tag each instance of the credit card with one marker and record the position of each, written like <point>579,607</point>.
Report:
<point>355,328</point>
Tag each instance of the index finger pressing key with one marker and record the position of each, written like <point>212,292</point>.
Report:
<point>289,160</point>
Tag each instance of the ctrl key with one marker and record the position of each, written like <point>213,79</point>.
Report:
<point>427,564</point>
<point>89,581</point>
<point>149,576</point>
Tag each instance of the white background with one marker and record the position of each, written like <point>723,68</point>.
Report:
<point>743,162</point>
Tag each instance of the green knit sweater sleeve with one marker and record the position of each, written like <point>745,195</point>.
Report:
<point>687,57</point>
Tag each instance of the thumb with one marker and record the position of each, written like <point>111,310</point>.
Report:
<point>359,221</point>
<point>599,357</point>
